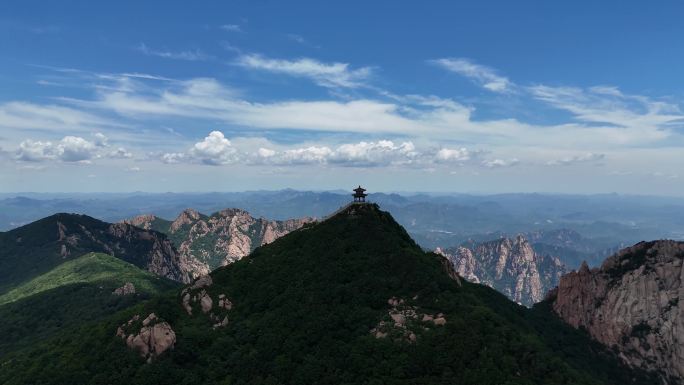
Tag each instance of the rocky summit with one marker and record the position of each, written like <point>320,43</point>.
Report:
<point>509,265</point>
<point>205,242</point>
<point>632,304</point>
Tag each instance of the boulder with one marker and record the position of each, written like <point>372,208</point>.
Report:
<point>126,289</point>
<point>151,340</point>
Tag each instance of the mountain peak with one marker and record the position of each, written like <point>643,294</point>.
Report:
<point>509,265</point>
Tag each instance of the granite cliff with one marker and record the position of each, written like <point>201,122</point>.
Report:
<point>207,242</point>
<point>509,265</point>
<point>632,304</point>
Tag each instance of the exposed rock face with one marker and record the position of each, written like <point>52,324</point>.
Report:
<point>126,289</point>
<point>207,242</point>
<point>406,322</point>
<point>160,256</point>
<point>152,339</point>
<point>510,266</point>
<point>632,303</point>
<point>66,236</point>
<point>199,292</point>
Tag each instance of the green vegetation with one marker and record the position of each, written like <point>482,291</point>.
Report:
<point>73,293</point>
<point>37,248</point>
<point>304,307</point>
<point>92,268</point>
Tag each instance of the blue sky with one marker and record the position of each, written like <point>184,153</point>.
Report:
<point>486,96</point>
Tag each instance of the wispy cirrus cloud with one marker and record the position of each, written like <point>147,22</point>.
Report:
<point>192,55</point>
<point>324,74</point>
<point>632,114</point>
<point>51,117</point>
<point>480,74</point>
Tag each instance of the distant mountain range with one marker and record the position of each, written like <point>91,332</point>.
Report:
<point>605,223</point>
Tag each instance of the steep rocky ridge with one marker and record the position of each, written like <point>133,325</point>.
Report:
<point>207,242</point>
<point>509,265</point>
<point>38,247</point>
<point>632,303</point>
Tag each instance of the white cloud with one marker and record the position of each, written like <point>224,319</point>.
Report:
<point>480,74</point>
<point>265,152</point>
<point>75,149</point>
<point>323,74</point>
<point>69,149</point>
<point>120,153</point>
<point>380,153</point>
<point>312,154</point>
<point>173,157</point>
<point>195,55</point>
<point>453,154</point>
<point>584,158</point>
<point>35,151</point>
<point>101,140</point>
<point>215,149</point>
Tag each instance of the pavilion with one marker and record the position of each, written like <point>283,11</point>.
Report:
<point>359,195</point>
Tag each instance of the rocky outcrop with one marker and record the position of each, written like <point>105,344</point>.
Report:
<point>207,242</point>
<point>150,337</point>
<point>126,289</point>
<point>160,257</point>
<point>510,266</point>
<point>405,322</point>
<point>632,304</point>
<point>199,293</point>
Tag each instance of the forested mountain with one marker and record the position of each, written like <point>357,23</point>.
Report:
<point>352,299</point>
<point>36,248</point>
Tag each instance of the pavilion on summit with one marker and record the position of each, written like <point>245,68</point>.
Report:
<point>359,195</point>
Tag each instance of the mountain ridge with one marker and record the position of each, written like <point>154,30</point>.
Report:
<point>36,248</point>
<point>350,300</point>
<point>205,242</point>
